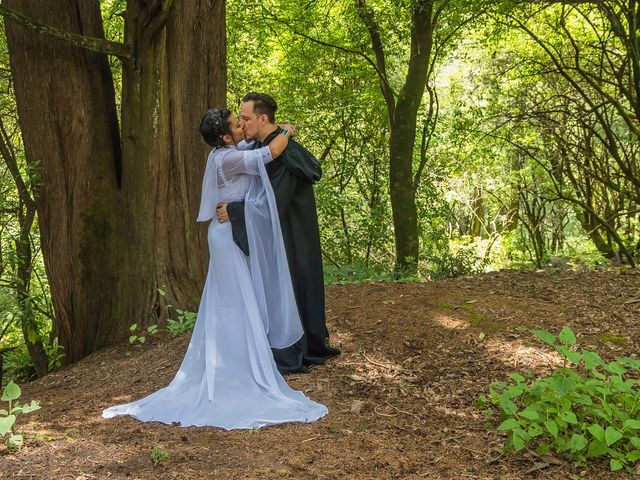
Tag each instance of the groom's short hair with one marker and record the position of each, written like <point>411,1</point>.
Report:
<point>263,104</point>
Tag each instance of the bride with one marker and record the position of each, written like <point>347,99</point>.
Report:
<point>228,377</point>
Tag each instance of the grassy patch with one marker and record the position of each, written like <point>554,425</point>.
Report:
<point>444,305</point>
<point>477,319</point>
<point>610,337</point>
<point>521,306</point>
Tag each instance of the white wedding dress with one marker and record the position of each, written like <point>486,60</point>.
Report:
<point>228,377</point>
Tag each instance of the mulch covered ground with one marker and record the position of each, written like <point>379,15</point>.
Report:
<point>400,397</point>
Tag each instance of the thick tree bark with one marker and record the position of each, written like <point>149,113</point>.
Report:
<point>68,120</point>
<point>117,220</point>
<point>179,72</point>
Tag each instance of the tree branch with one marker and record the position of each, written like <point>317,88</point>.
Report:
<point>160,19</point>
<point>366,15</point>
<point>93,44</point>
<point>12,164</point>
<point>331,45</point>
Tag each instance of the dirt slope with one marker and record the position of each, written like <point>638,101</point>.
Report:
<point>400,397</point>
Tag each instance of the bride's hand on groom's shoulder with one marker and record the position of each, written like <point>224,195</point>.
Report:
<point>288,126</point>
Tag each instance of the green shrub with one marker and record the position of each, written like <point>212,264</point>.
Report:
<point>185,322</point>
<point>464,261</point>
<point>586,409</point>
<point>355,273</point>
<point>18,364</point>
<point>10,394</point>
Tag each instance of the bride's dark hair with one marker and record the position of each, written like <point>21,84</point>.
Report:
<point>214,126</point>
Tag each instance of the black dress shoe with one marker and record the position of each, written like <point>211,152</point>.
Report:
<point>326,351</point>
<point>300,369</point>
<point>309,360</point>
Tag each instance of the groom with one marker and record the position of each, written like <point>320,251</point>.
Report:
<point>292,178</point>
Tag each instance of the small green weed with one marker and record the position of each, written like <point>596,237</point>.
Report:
<point>185,322</point>
<point>158,455</point>
<point>610,337</point>
<point>10,394</point>
<point>139,337</point>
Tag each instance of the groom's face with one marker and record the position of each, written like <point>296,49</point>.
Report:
<point>251,123</point>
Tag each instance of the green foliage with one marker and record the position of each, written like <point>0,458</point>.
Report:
<point>139,337</point>
<point>18,364</point>
<point>54,354</point>
<point>588,408</point>
<point>8,418</point>
<point>354,273</point>
<point>158,455</point>
<point>464,261</point>
<point>185,322</point>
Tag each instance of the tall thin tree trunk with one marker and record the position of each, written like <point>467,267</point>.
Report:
<point>478,212</point>
<point>21,282</point>
<point>403,119</point>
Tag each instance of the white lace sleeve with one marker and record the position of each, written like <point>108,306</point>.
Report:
<point>236,162</point>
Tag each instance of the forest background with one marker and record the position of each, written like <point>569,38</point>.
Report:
<point>456,137</point>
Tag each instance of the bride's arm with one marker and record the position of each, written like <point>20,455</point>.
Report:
<point>236,162</point>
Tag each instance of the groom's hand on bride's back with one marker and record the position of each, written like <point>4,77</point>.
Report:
<point>221,213</point>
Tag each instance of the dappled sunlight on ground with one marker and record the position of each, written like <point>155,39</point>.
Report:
<point>450,322</point>
<point>519,356</point>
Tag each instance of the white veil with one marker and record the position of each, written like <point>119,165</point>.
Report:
<point>268,264</point>
<point>209,198</point>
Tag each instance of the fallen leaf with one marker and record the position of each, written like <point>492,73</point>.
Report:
<point>356,406</point>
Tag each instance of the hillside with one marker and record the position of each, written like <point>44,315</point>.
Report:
<point>400,397</point>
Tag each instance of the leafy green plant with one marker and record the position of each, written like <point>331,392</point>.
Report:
<point>10,394</point>
<point>185,322</point>
<point>586,409</point>
<point>158,455</point>
<point>140,338</point>
<point>18,364</point>
<point>464,261</point>
<point>54,354</point>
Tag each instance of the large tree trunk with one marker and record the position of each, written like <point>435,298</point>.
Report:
<point>68,120</point>
<point>117,222</point>
<point>178,73</point>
